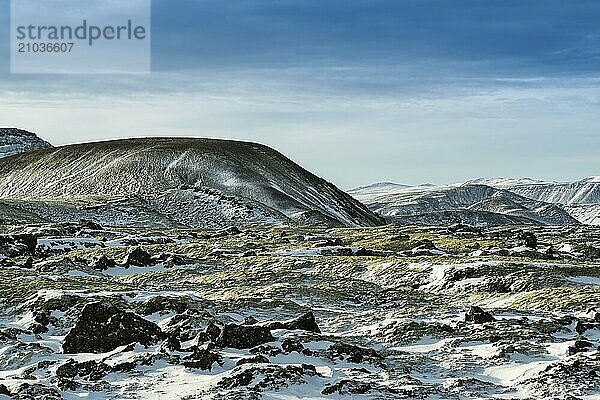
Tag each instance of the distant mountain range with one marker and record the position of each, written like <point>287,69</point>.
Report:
<point>214,183</point>
<point>486,202</point>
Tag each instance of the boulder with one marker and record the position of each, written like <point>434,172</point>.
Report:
<point>102,327</point>
<point>201,359</point>
<point>102,263</point>
<point>478,316</point>
<point>138,257</point>
<point>212,331</point>
<point>580,346</point>
<point>15,245</point>
<point>244,336</point>
<point>529,239</point>
<point>305,322</point>
<point>352,353</point>
<point>291,345</point>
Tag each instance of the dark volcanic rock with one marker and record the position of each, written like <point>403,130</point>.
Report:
<point>580,346</point>
<point>17,244</point>
<point>478,316</point>
<point>352,353</point>
<point>212,331</point>
<point>244,336</point>
<point>529,239</point>
<point>138,257</point>
<point>101,328</point>
<point>102,263</point>
<point>36,392</point>
<point>91,370</point>
<point>290,345</point>
<point>305,322</point>
<point>268,376</point>
<point>201,359</point>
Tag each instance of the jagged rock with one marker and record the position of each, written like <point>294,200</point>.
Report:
<point>267,349</point>
<point>171,259</point>
<point>213,331</point>
<point>4,390</point>
<point>15,245</point>
<point>329,243</point>
<point>362,252</point>
<point>250,320</point>
<point>580,346</point>
<point>336,251</point>
<point>41,318</point>
<point>305,322</point>
<point>68,385</point>
<point>583,325</point>
<point>101,328</point>
<point>102,263</point>
<point>138,257</point>
<point>38,329</point>
<point>267,376</point>
<point>290,345</point>
<point>201,359</point>
<point>347,387</point>
<point>529,239</point>
<point>243,336</point>
<point>352,353</point>
<point>91,370</point>
<point>478,316</point>
<point>36,392</point>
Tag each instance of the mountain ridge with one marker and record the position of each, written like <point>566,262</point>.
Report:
<point>198,182</point>
<point>485,202</point>
<point>14,141</point>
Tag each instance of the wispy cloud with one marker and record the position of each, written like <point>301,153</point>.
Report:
<point>357,91</point>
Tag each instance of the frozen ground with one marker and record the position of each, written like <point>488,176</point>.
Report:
<point>299,313</point>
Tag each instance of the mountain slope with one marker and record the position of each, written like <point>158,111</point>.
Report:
<point>195,182</point>
<point>585,191</point>
<point>474,204</point>
<point>15,141</point>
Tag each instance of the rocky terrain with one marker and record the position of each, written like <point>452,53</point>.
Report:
<point>486,202</point>
<point>453,312</point>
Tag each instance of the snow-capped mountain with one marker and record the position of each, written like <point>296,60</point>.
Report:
<point>473,202</point>
<point>172,181</point>
<point>15,141</point>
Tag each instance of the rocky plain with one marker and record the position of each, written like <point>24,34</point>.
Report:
<point>386,312</point>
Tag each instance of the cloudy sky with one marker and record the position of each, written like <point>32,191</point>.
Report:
<point>409,91</point>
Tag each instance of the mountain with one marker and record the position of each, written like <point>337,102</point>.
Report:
<point>15,141</point>
<point>585,191</point>
<point>581,198</point>
<point>470,203</point>
<point>174,181</point>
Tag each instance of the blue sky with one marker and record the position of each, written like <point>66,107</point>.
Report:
<point>356,91</point>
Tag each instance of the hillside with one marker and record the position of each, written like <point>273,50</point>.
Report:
<point>584,191</point>
<point>174,181</point>
<point>470,203</point>
<point>15,141</point>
